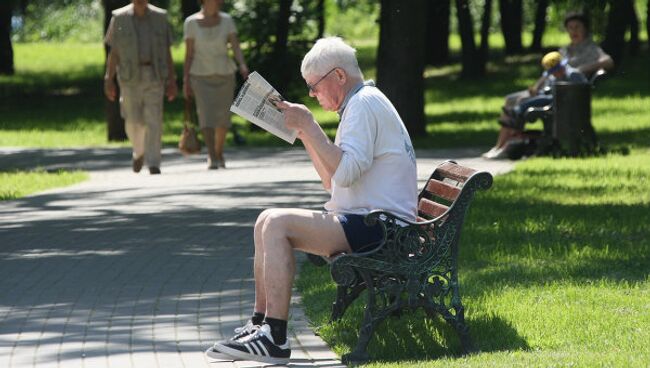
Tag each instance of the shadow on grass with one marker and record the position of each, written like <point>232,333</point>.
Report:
<point>629,137</point>
<point>415,338</point>
<point>412,336</point>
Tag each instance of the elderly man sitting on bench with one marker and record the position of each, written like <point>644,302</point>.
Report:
<point>370,165</point>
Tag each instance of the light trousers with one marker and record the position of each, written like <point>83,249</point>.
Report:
<point>141,106</point>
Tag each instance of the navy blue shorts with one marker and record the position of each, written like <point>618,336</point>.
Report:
<point>361,237</point>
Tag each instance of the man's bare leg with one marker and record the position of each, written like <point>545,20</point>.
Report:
<point>283,231</point>
<point>258,265</point>
<point>505,134</point>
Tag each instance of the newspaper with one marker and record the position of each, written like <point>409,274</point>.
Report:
<point>256,101</point>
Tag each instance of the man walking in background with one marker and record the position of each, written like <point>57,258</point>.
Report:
<point>139,37</point>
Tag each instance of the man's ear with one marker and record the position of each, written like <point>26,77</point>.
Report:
<point>341,76</point>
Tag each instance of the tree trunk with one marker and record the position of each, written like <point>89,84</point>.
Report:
<point>485,33</point>
<point>614,42</point>
<point>634,28</point>
<point>6,48</point>
<point>540,25</point>
<point>320,9</point>
<point>189,7</point>
<point>437,31</point>
<point>280,54</point>
<point>400,59</point>
<point>469,60</point>
<point>511,24</point>
<point>114,121</point>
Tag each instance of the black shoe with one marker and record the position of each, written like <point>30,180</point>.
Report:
<point>240,332</point>
<point>137,164</point>
<point>153,170</point>
<point>259,346</point>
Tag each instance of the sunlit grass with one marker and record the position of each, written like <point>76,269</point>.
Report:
<point>554,272</point>
<point>16,184</point>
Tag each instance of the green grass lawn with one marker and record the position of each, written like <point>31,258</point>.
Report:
<point>554,268</point>
<point>16,184</point>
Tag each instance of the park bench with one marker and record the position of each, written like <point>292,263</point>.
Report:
<point>416,265</point>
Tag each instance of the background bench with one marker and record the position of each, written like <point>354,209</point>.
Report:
<point>416,265</point>
<point>567,128</point>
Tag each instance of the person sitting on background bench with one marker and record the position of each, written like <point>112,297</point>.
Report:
<point>370,165</point>
<point>582,54</point>
<point>556,69</point>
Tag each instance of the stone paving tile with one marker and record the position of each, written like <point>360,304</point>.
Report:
<point>133,270</point>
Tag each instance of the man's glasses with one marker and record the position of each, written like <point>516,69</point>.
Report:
<point>312,87</point>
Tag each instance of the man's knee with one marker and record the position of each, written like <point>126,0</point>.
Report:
<point>261,219</point>
<point>274,221</point>
<point>276,226</point>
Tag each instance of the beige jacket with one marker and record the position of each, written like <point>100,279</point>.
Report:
<point>125,42</point>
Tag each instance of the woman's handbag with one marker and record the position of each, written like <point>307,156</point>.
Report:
<point>189,142</point>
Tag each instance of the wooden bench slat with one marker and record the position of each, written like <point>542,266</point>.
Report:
<point>431,208</point>
<point>454,171</point>
<point>442,190</point>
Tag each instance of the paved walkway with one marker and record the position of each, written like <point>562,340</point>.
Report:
<point>129,270</point>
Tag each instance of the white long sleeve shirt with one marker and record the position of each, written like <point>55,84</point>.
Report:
<point>377,169</point>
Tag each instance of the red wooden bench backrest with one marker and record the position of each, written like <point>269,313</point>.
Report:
<point>442,189</point>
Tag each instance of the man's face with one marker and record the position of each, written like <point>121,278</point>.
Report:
<point>327,89</point>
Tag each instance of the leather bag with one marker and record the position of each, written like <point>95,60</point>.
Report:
<point>188,142</point>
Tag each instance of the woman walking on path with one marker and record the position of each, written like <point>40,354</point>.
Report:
<point>209,73</point>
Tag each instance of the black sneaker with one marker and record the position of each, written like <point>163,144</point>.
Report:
<point>258,346</point>
<point>240,332</point>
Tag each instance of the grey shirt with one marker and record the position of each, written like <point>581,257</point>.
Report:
<point>584,53</point>
<point>143,29</point>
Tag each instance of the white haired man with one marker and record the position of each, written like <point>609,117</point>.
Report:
<point>370,165</point>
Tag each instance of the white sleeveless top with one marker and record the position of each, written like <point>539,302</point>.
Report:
<point>210,46</point>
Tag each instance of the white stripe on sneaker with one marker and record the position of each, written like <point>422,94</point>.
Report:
<point>265,352</point>
<point>256,347</point>
<point>250,349</point>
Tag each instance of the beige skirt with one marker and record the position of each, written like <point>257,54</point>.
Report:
<point>213,95</point>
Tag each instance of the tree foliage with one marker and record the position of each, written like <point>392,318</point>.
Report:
<point>276,35</point>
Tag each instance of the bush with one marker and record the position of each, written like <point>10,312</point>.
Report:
<point>79,22</point>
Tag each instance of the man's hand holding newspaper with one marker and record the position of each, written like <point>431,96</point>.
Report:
<point>256,102</point>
